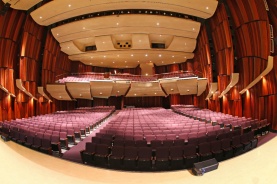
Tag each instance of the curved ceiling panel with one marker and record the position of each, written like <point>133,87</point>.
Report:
<point>131,59</point>
<point>126,24</point>
<point>129,40</point>
<point>58,10</point>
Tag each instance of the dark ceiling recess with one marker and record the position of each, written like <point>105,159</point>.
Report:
<point>90,48</point>
<point>158,46</point>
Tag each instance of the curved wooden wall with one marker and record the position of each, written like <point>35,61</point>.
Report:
<point>252,44</point>
<point>10,30</point>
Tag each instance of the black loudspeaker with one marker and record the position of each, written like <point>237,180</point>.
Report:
<point>5,137</point>
<point>206,166</point>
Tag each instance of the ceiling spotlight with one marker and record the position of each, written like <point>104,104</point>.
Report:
<point>90,63</point>
<point>135,94</point>
<point>69,5</point>
<point>40,17</point>
<point>132,55</point>
<point>57,34</point>
<point>193,29</point>
<point>207,8</point>
<point>155,93</point>
<point>138,61</point>
<point>158,23</point>
<point>171,89</point>
<point>84,28</point>
<point>117,23</point>
<point>139,40</point>
<point>173,56</point>
<point>146,55</point>
<point>100,93</point>
<point>104,56</point>
<point>160,55</point>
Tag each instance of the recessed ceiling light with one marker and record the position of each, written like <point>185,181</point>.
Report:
<point>60,96</point>
<point>104,56</point>
<point>174,62</point>
<point>113,61</point>
<point>57,34</point>
<point>103,42</point>
<point>84,28</point>
<point>126,66</point>
<point>146,74</point>
<point>69,5</point>
<point>193,29</point>
<point>185,57</point>
<point>155,93</point>
<point>146,55</point>
<point>80,94</point>
<point>90,63</point>
<point>160,55</point>
<point>207,8</point>
<point>160,35</point>
<point>173,56</point>
<point>150,61</point>
<point>138,61</point>
<point>117,55</point>
<point>171,89</point>
<point>158,23</point>
<point>188,90</point>
<point>135,94</point>
<point>68,47</point>
<point>101,62</point>
<point>91,57</point>
<point>117,23</point>
<point>132,55</point>
<point>139,40</point>
<point>125,61</point>
<point>40,17</point>
<point>100,93</point>
<point>118,91</point>
<point>162,61</point>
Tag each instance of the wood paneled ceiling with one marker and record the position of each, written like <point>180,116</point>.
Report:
<point>134,32</point>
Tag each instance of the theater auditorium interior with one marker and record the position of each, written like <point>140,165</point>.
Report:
<point>131,91</point>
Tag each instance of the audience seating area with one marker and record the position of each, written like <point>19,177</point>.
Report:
<point>86,77</point>
<point>224,120</point>
<point>48,133</point>
<point>157,139</point>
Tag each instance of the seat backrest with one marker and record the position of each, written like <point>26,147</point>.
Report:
<point>226,143</point>
<point>162,152</point>
<point>145,152</point>
<point>190,150</point>
<point>117,151</point>
<point>176,151</point>
<point>130,152</point>
<point>102,149</point>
